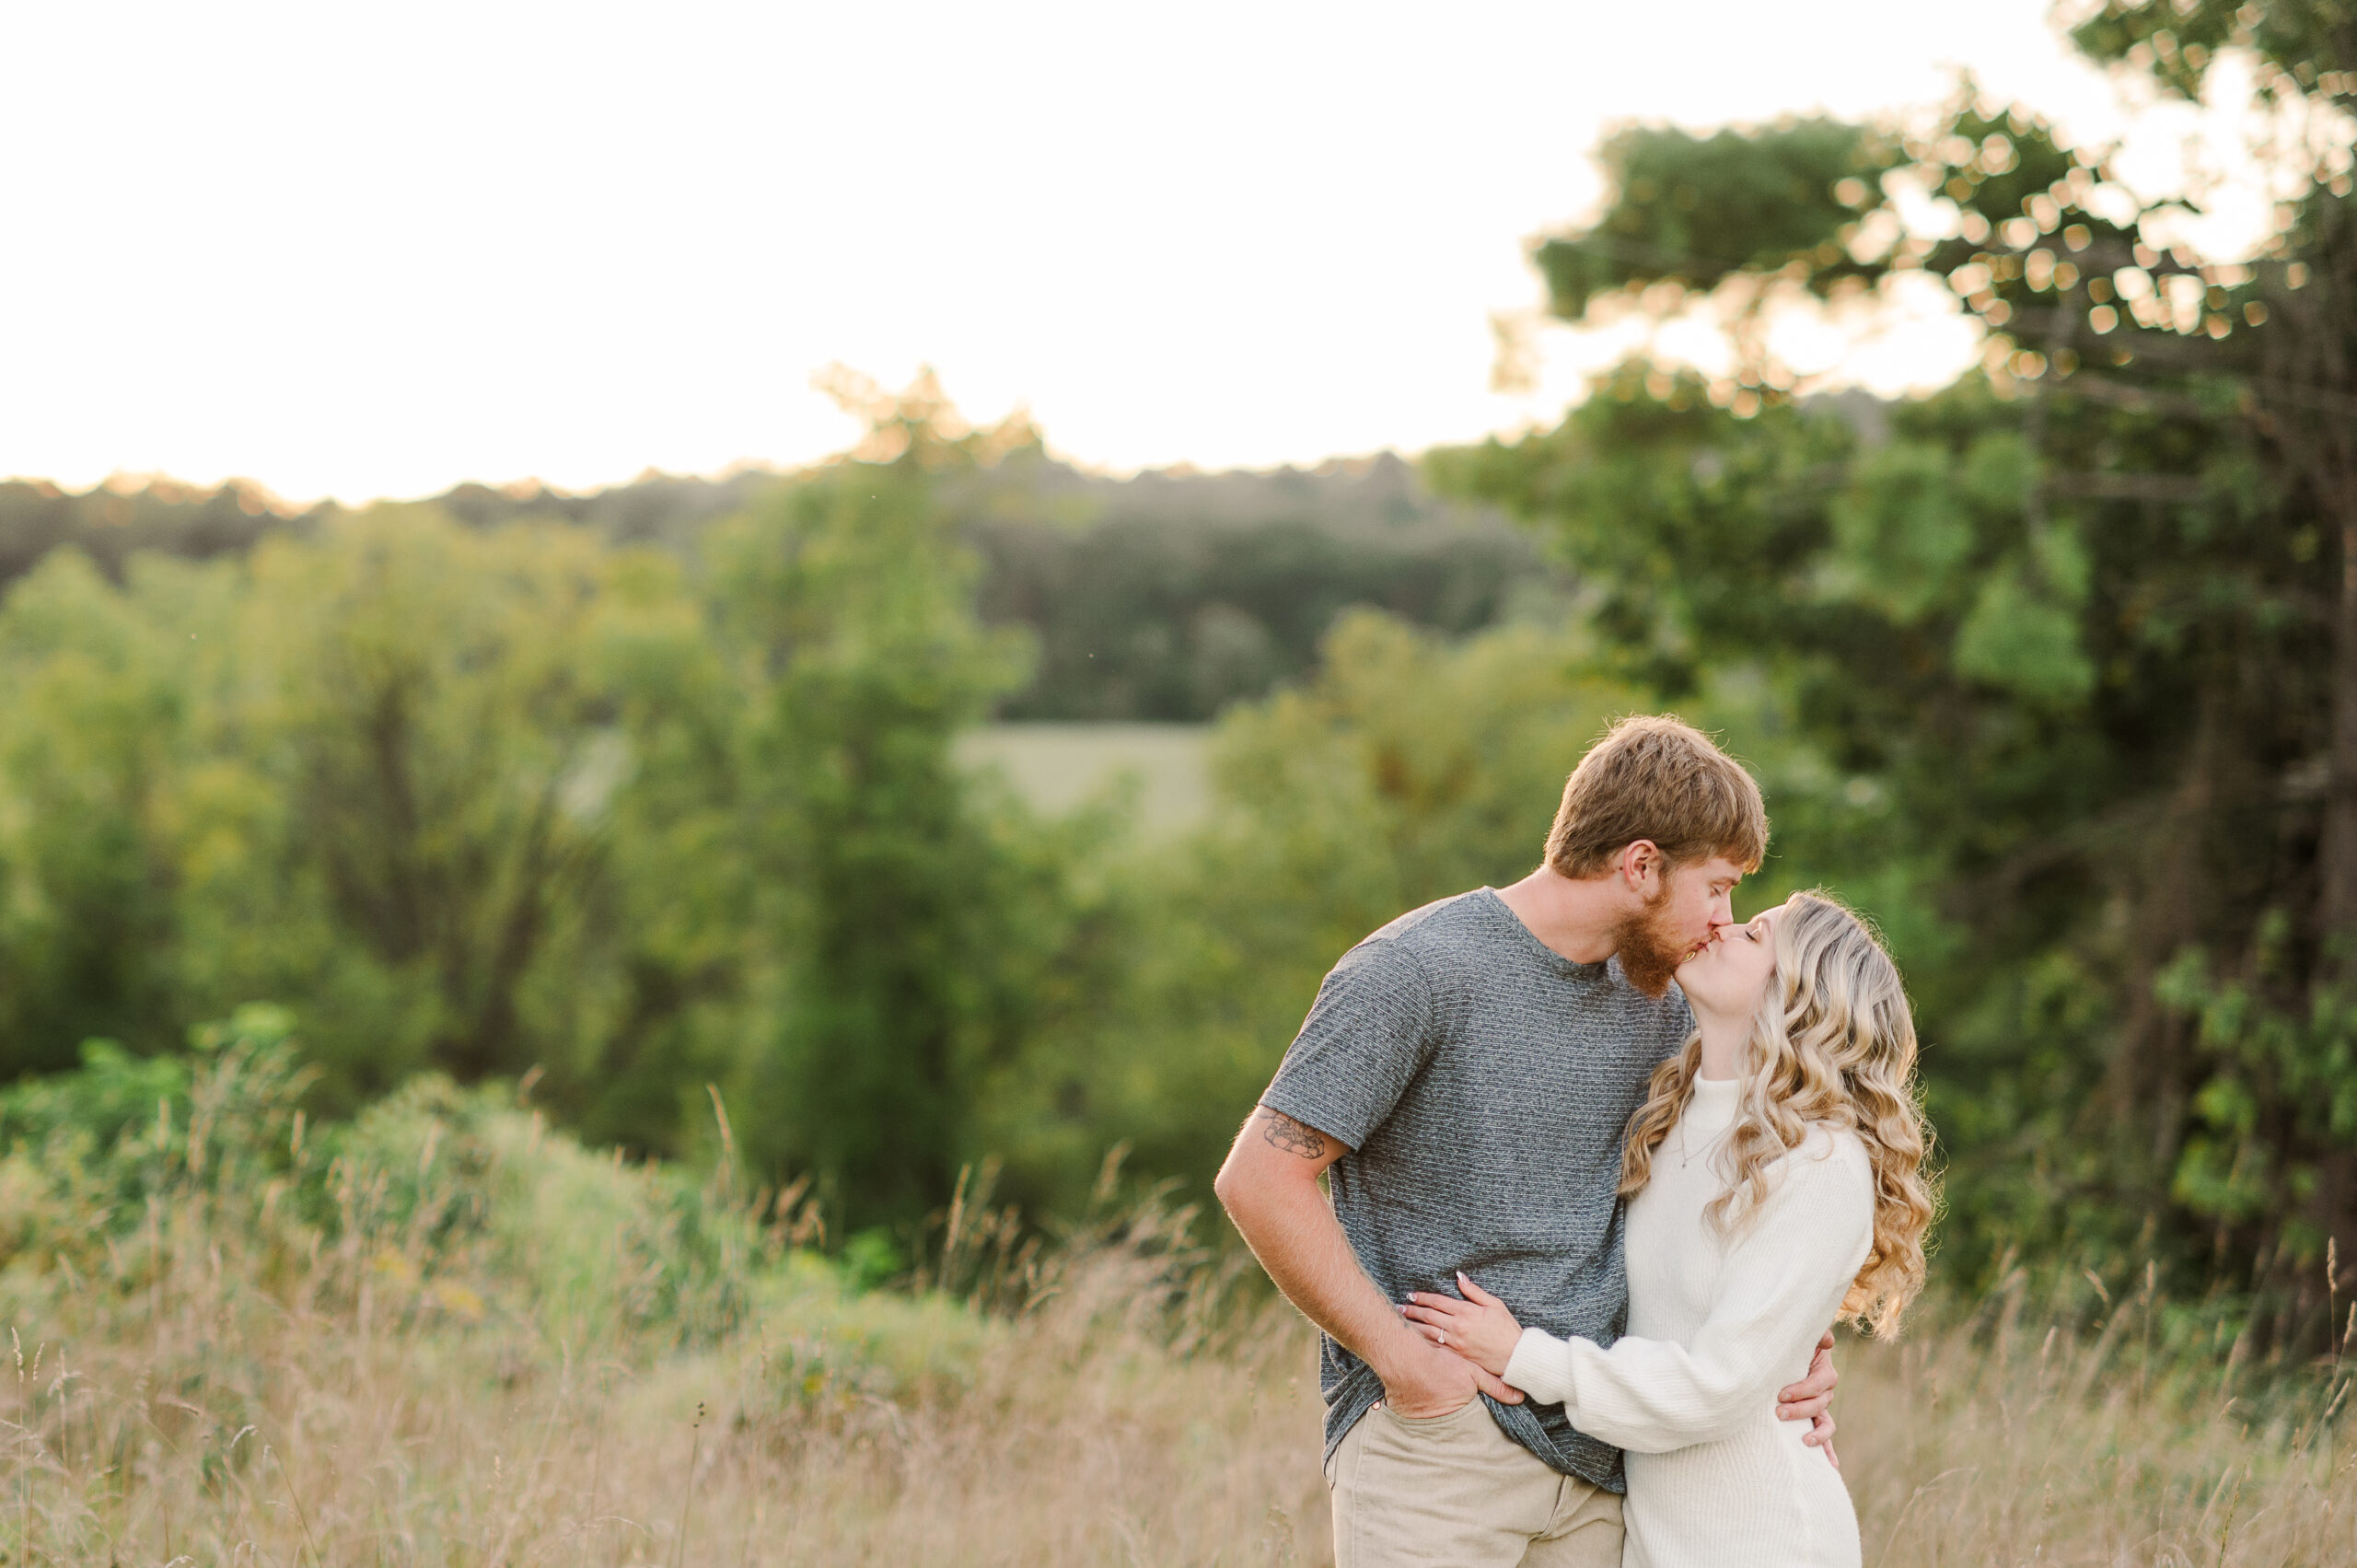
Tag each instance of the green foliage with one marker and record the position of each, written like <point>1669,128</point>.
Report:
<point>831,1345</point>
<point>509,802</point>
<point>450,715</point>
<point>90,1154</point>
<point>94,727</point>
<point>1173,618</point>
<point>2000,688</point>
<point>914,944</point>
<point>1902,531</point>
<point>2305,47</point>
<point>375,770</point>
<point>2276,1121</point>
<point>1695,211</point>
<point>2022,636</point>
<point>1709,487</point>
<point>439,1207</point>
<point>1162,597</point>
<point>2051,644</point>
<point>2047,252</point>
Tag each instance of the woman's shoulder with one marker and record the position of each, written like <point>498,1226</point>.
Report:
<point>1829,1156</point>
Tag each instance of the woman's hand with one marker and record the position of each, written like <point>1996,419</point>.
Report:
<point>1479,1328</point>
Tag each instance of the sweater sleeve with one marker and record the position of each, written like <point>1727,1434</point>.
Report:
<point>1783,1280</point>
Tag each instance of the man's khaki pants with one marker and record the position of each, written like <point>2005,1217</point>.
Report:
<point>1454,1492</point>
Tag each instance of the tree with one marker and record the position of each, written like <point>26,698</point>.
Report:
<point>439,714</point>
<point>2062,634</point>
<point>515,802</point>
<point>374,771</point>
<point>912,922</point>
<point>94,739</point>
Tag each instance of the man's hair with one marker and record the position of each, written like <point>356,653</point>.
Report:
<point>1653,776</point>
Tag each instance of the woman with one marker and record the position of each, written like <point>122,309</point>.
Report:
<point>1773,1183</point>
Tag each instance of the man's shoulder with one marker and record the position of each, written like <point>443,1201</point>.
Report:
<point>1398,952</point>
<point>1443,945</point>
<point>1452,921</point>
<point>1473,938</point>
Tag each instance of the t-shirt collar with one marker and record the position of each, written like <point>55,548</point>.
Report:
<point>1568,968</point>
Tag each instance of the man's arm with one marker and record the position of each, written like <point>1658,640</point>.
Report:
<point>1270,1189</point>
<point>1811,1399</point>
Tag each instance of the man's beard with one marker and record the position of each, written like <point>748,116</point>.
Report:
<point>1649,955</point>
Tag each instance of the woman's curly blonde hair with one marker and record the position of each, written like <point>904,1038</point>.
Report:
<point>1832,1045</point>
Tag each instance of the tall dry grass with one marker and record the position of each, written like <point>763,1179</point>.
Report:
<point>224,1426</point>
<point>222,1421</point>
<point>2096,1432</point>
<point>217,1419</point>
<point>455,1338</point>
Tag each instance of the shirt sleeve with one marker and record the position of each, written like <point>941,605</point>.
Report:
<point>1782,1285</point>
<point>1367,1036</point>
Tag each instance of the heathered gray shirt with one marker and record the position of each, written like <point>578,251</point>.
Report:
<point>1484,1083</point>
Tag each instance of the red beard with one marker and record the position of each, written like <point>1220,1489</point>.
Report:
<point>1649,952</point>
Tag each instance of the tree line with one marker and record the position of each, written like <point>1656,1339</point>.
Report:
<point>1161,598</point>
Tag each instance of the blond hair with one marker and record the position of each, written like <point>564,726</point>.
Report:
<point>1832,1045</point>
<point>1653,776</point>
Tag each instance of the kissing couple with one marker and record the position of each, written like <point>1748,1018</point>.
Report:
<point>1605,1168</point>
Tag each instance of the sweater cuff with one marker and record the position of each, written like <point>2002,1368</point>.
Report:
<point>1541,1367</point>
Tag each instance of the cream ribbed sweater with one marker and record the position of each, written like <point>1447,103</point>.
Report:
<point>1716,1325</point>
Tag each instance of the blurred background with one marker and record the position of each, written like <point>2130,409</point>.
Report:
<point>740,755</point>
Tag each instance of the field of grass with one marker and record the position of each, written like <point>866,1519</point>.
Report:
<point>223,1429</point>
<point>1056,767</point>
<point>447,1335</point>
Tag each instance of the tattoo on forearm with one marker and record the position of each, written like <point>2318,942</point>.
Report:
<point>1293,1137</point>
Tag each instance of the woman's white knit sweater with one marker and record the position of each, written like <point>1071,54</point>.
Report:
<point>1718,1322</point>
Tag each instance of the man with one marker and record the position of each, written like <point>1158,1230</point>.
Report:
<point>1463,1081</point>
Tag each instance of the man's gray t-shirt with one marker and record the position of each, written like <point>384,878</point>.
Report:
<point>1484,1083</point>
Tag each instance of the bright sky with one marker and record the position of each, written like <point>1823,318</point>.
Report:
<point>363,251</point>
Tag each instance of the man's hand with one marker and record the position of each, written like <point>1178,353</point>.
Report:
<point>1269,1186</point>
<point>1811,1399</point>
<point>1421,1379</point>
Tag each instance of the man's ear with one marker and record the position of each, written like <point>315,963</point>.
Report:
<point>1641,867</point>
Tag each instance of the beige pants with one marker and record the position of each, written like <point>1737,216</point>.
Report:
<point>1454,1492</point>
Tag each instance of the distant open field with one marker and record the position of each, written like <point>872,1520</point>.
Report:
<point>1058,766</point>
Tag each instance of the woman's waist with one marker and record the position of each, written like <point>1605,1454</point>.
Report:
<point>1759,1433</point>
<point>1738,1503</point>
